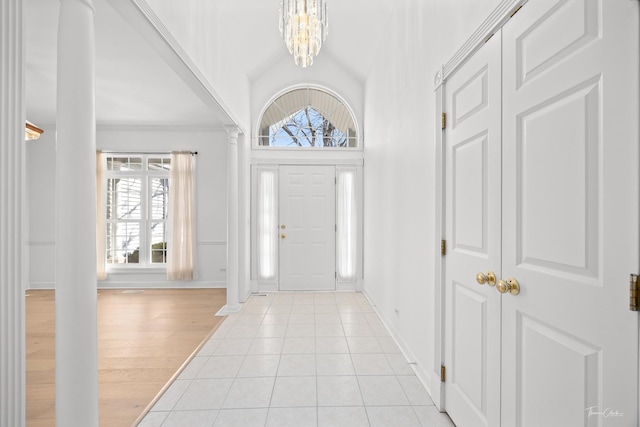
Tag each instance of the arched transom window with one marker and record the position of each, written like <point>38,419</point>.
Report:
<point>307,118</point>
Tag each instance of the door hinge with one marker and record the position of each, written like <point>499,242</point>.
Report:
<point>516,10</point>
<point>633,293</point>
<point>443,374</point>
<point>444,120</point>
<point>443,247</point>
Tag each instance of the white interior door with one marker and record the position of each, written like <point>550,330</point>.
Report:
<point>569,233</point>
<point>473,211</point>
<point>307,228</point>
<point>570,218</point>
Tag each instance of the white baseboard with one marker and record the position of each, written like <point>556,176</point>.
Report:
<point>430,382</point>
<point>340,287</point>
<point>267,287</point>
<point>227,310</point>
<point>254,286</point>
<point>196,284</point>
<point>347,286</point>
<point>41,286</point>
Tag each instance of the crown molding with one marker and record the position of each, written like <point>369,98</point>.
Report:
<point>500,15</point>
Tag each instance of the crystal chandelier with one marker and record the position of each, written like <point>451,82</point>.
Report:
<point>303,26</point>
<point>31,131</point>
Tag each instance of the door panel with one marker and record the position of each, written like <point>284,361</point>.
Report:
<point>573,370</point>
<point>470,192</point>
<point>558,157</point>
<point>570,213</point>
<point>563,28</point>
<point>473,214</point>
<point>307,241</point>
<point>469,338</point>
<point>470,98</point>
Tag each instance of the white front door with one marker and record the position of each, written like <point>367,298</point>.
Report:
<point>473,238</point>
<point>307,228</point>
<point>570,214</point>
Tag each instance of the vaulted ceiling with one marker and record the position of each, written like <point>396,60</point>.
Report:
<point>355,30</point>
<point>136,86</point>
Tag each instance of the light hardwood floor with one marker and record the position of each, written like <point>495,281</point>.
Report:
<point>143,340</point>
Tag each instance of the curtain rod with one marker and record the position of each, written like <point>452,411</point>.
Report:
<point>124,153</point>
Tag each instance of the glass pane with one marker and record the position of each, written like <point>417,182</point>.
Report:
<point>124,164</point>
<point>158,243</point>
<point>307,128</point>
<point>159,198</point>
<point>346,237</point>
<point>110,251</point>
<point>123,243</point>
<point>267,225</point>
<point>124,198</point>
<point>135,163</point>
<point>159,164</point>
<point>307,118</point>
<point>110,207</point>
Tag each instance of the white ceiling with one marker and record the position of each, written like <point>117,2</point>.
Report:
<point>355,30</point>
<point>135,86</point>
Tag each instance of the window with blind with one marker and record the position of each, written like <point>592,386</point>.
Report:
<point>308,118</point>
<point>137,201</point>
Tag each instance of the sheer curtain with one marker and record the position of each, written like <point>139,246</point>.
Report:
<point>101,230</point>
<point>181,240</point>
<point>267,222</point>
<point>347,237</point>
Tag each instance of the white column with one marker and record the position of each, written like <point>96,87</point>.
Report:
<point>76,271</point>
<point>233,304</point>
<point>244,215</point>
<point>12,211</point>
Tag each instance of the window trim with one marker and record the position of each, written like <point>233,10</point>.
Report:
<point>145,175</point>
<point>255,145</point>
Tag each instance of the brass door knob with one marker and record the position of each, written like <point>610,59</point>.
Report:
<point>284,236</point>
<point>489,278</point>
<point>511,285</point>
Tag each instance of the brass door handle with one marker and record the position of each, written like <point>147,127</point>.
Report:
<point>284,236</point>
<point>489,277</point>
<point>511,285</point>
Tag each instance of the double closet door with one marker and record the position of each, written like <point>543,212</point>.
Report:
<point>542,220</point>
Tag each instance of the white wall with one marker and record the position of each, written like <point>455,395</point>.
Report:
<point>400,205</point>
<point>194,24</point>
<point>211,146</point>
<point>41,185</point>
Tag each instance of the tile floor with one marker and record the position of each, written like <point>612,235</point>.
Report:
<point>298,359</point>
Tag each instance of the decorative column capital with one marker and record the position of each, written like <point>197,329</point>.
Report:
<point>232,133</point>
